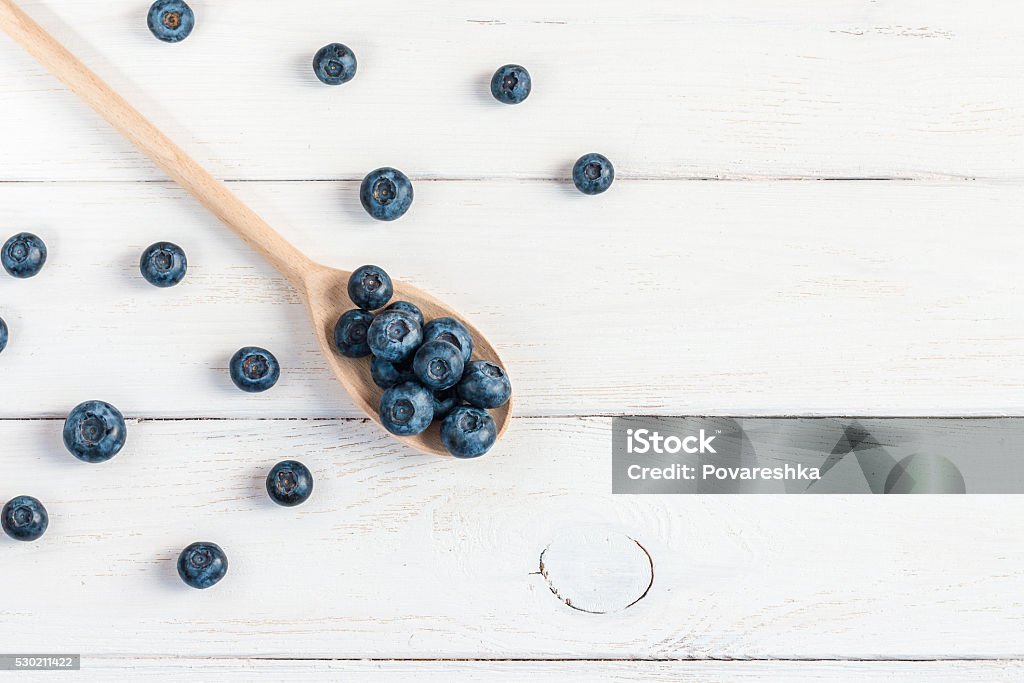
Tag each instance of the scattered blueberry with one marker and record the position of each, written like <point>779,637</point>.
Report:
<point>3,334</point>
<point>350,333</point>
<point>394,336</point>
<point>24,518</point>
<point>289,483</point>
<point>386,194</point>
<point>406,409</point>
<point>387,374</point>
<point>202,564</point>
<point>254,369</point>
<point>444,402</point>
<point>451,331</point>
<point>411,309</point>
<point>23,255</point>
<point>370,287</point>
<point>593,173</point>
<point>511,84</point>
<point>171,20</point>
<point>334,64</point>
<point>163,264</point>
<point>484,385</point>
<point>94,431</point>
<point>438,365</point>
<point>468,432</point>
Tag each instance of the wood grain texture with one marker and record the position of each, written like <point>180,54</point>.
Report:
<point>584,671</point>
<point>400,555</point>
<point>917,89</point>
<point>665,298</point>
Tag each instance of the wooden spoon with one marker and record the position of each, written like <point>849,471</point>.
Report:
<point>323,289</point>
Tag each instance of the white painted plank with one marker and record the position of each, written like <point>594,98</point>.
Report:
<point>668,89</point>
<point>661,297</point>
<point>399,555</point>
<point>515,672</point>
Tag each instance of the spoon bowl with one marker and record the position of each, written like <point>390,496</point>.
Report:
<point>325,291</point>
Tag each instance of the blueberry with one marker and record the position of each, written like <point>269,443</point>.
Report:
<point>394,336</point>
<point>3,334</point>
<point>438,365</point>
<point>24,518</point>
<point>387,374</point>
<point>350,333</point>
<point>511,84</point>
<point>451,331</point>
<point>484,385</point>
<point>411,309</point>
<point>334,64</point>
<point>202,564</point>
<point>593,173</point>
<point>406,409</point>
<point>254,369</point>
<point>386,194</point>
<point>23,255</point>
<point>444,402</point>
<point>468,432</point>
<point>171,20</point>
<point>163,264</point>
<point>289,483</point>
<point>370,287</point>
<point>94,431</point>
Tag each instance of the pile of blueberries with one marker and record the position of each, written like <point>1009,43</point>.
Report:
<point>425,368</point>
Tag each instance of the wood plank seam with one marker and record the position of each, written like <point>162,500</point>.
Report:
<point>579,660</point>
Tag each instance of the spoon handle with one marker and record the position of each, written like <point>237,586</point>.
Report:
<point>211,193</point>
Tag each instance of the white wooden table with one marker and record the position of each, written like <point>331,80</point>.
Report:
<point>818,210</point>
